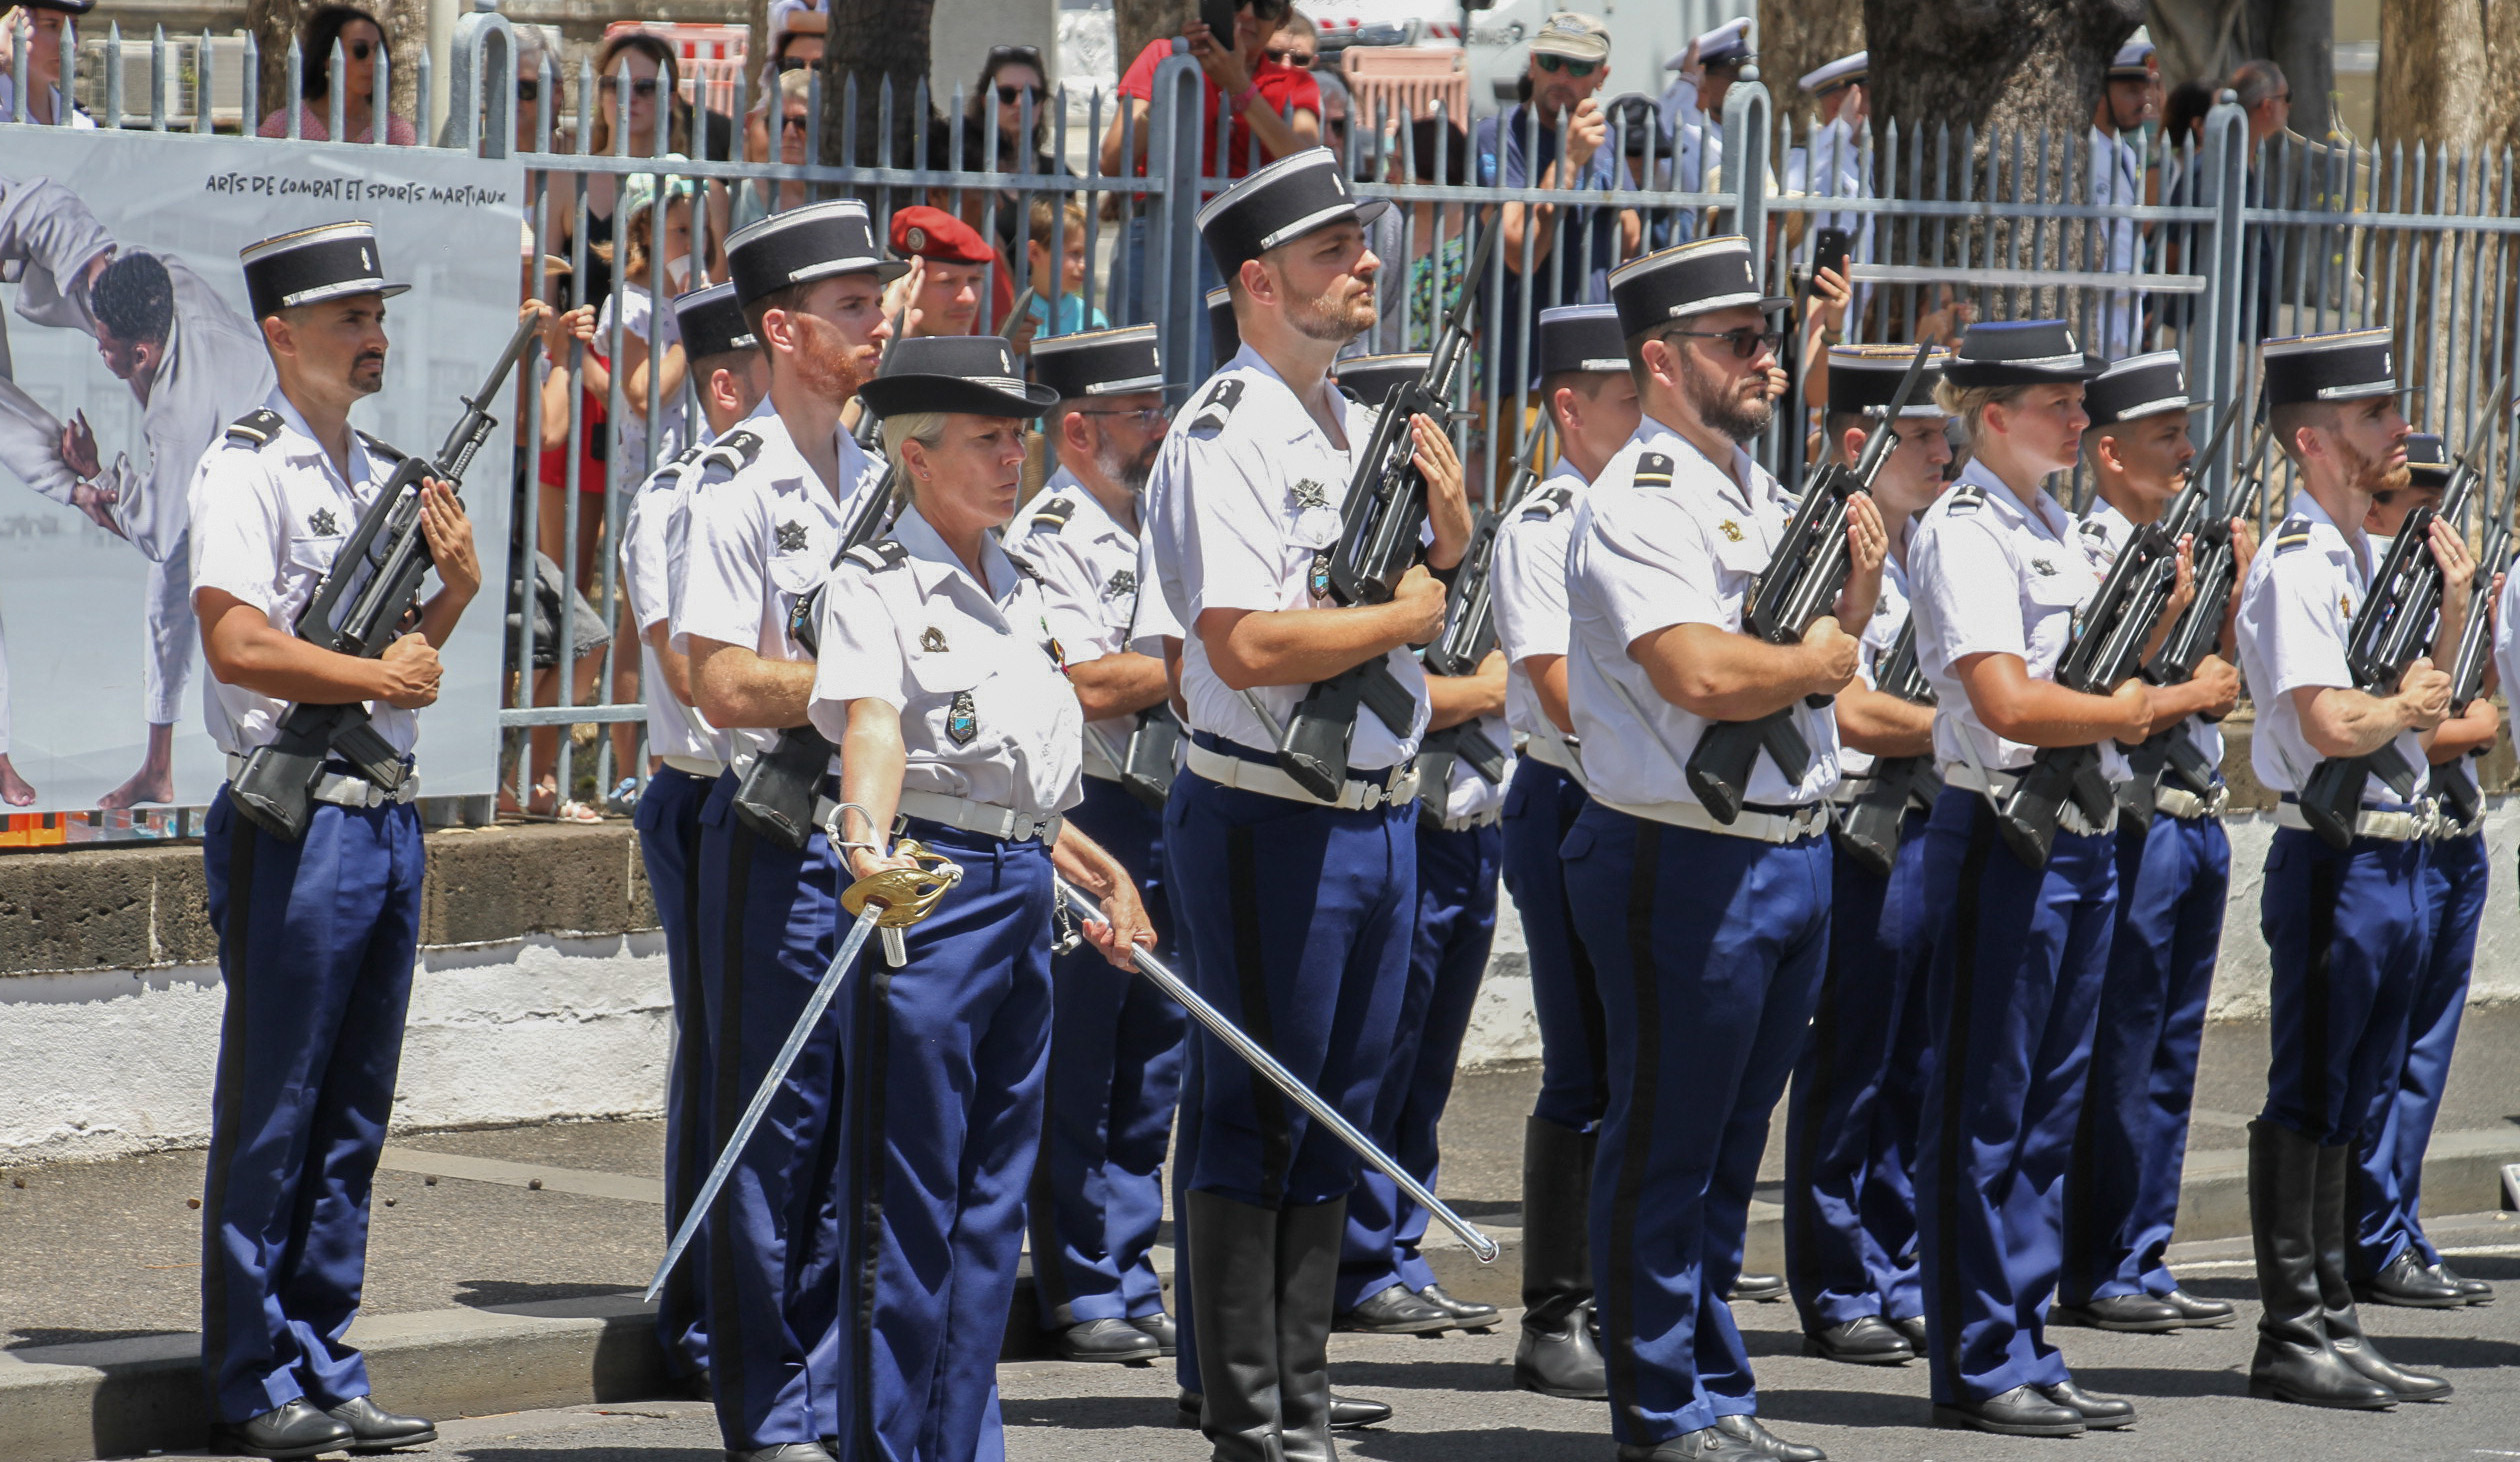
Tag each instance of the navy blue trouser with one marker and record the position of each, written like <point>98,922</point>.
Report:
<point>2020,955</point>
<point>1448,954</point>
<point>1709,951</point>
<point>1850,1123</point>
<point>942,1126</point>
<point>1541,805</point>
<point>2347,933</point>
<point>2389,1199</point>
<point>769,925</point>
<point>317,940</point>
<point>668,820</point>
<point>2122,1192</point>
<point>1115,1076</point>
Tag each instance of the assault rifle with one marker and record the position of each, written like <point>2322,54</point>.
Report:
<point>1381,522</point>
<point>2452,780</point>
<point>1469,634</point>
<point>1802,579</point>
<point>2393,625</point>
<point>1867,828</point>
<point>775,797</point>
<point>359,609</point>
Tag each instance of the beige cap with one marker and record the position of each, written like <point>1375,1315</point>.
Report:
<point>1575,36</point>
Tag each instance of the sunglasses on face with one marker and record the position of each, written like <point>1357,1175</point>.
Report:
<point>529,89</point>
<point>1746,341</point>
<point>358,50</point>
<point>643,88</point>
<point>792,63</point>
<point>1015,53</point>
<point>1577,69</point>
<point>1149,417</point>
<point>792,122</point>
<point>1018,95</point>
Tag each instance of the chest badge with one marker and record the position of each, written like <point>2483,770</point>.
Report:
<point>962,719</point>
<point>1311,494</point>
<point>932,640</point>
<point>2345,605</point>
<point>791,537</point>
<point>1319,579</point>
<point>1123,581</point>
<point>1730,529</point>
<point>2042,567</point>
<point>322,524</point>
<point>1057,653</point>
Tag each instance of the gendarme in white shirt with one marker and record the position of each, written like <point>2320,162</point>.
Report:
<point>1088,565</point>
<point>1528,584</point>
<point>655,534</point>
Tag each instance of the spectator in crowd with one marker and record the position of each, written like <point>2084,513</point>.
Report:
<point>791,55</point>
<point>1693,105</point>
<point>2267,99</point>
<point>796,50</point>
<point>1056,231</point>
<point>641,68</point>
<point>360,41</point>
<point>1274,111</point>
<point>1336,104</point>
<point>2183,116</point>
<point>949,265</point>
<point>548,595</point>
<point>1297,42</point>
<point>540,76</point>
<point>1011,81</point>
<point>1414,263</point>
<point>1831,161</point>
<point>2118,145</point>
<point>651,346</point>
<point>756,199</point>
<point>1554,139</point>
<point>45,22</point>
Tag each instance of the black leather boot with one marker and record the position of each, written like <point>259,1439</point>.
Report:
<point>1557,1354</point>
<point>1308,1243</point>
<point>295,1429</point>
<point>2294,1361</point>
<point>1234,1289</point>
<point>2344,1327</point>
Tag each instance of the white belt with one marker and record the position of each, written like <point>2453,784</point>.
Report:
<point>1398,786</point>
<point>1490,818</point>
<point>697,766</point>
<point>2180,802</point>
<point>1761,827</point>
<point>346,789</point>
<point>1999,785</point>
<point>984,818</point>
<point>1553,752</point>
<point>2389,827</point>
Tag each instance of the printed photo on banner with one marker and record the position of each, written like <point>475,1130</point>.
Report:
<point>126,349</point>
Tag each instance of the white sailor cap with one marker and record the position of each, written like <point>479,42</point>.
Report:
<point>1687,279</point>
<point>1726,45</point>
<point>307,266</point>
<point>1844,71</point>
<point>2139,386</point>
<point>2133,61</point>
<point>2340,365</point>
<point>1099,362</point>
<point>805,244</point>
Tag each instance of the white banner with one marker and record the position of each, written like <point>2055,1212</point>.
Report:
<point>101,672</point>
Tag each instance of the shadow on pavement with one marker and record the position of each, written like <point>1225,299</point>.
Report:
<point>33,1337</point>
<point>491,1294</point>
<point>1498,1444</point>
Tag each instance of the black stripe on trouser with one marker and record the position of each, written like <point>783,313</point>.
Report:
<point>1812,1101</point>
<point>1587,984</point>
<point>1268,1105</point>
<point>235,945</point>
<point>726,1309</point>
<point>2083,1251</point>
<point>1955,1058</point>
<point>2327,877</point>
<point>1049,1253</point>
<point>868,1069</point>
<point>691,1163</point>
<point>1618,1307</point>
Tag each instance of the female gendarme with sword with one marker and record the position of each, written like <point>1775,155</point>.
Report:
<point>948,697</point>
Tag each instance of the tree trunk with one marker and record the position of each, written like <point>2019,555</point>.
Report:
<point>874,40</point>
<point>1797,38</point>
<point>274,24</point>
<point>2447,73</point>
<point>407,36</point>
<point>2205,39</point>
<point>1140,21</point>
<point>2007,64</point>
<point>2301,38</point>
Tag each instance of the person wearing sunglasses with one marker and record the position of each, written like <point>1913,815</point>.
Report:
<point>350,35</point>
<point>46,22</point>
<point>1553,138</point>
<point>1725,920</point>
<point>1297,43</point>
<point>1693,105</point>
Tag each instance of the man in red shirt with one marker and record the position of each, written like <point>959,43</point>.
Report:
<point>1275,110</point>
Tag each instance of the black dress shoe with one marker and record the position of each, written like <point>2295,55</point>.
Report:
<point>2099,1413</point>
<point>2019,1412</point>
<point>1759,1287</point>
<point>2478,1292</point>
<point>1913,1327</point>
<point>295,1429</point>
<point>1862,1341</point>
<point>2199,1312</point>
<point>2405,1281</point>
<point>1706,1444</point>
<point>1469,1314</point>
<point>1112,1342</point>
<point>379,1430</point>
<point>1746,1430</point>
<point>783,1452</point>
<point>1345,1411</point>
<point>1160,1325</point>
<point>2135,1314</point>
<point>1394,1310</point>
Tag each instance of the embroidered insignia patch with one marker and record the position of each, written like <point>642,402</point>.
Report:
<point>1730,529</point>
<point>932,640</point>
<point>1057,653</point>
<point>322,524</point>
<point>2042,566</point>
<point>1319,580</point>
<point>1123,581</point>
<point>1310,494</point>
<point>962,719</point>
<point>2345,605</point>
<point>791,537</point>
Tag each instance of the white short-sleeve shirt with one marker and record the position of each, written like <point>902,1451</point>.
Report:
<point>2296,609</point>
<point>2506,644</point>
<point>2105,530</point>
<point>764,529</point>
<point>1890,615</point>
<point>1088,563</point>
<point>1528,585</point>
<point>655,534</point>
<point>1243,500</point>
<point>986,709</point>
<point>1667,537</point>
<point>1994,575</point>
<point>267,519</point>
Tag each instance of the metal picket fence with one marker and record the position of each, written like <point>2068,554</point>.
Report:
<point>2205,245</point>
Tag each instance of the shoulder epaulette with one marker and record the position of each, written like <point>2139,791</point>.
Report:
<point>1653,469</point>
<point>736,450</point>
<point>386,450</point>
<point>878,557</point>
<point>257,429</point>
<point>1219,406</point>
<point>1026,569</point>
<point>1541,506</point>
<point>2291,533</point>
<point>1968,497</point>
<point>1054,512</point>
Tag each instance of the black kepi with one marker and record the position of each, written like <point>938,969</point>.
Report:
<point>2137,387</point>
<point>1291,197</point>
<point>2004,353</point>
<point>712,323</point>
<point>310,265</point>
<point>972,374</point>
<point>1099,362</point>
<point>1579,338</point>
<point>805,244</point>
<point>2341,365</point>
<point>1687,279</point>
<point>2427,460</point>
<point>1372,378</point>
<point>1865,378</point>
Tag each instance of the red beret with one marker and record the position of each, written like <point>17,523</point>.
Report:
<point>938,235</point>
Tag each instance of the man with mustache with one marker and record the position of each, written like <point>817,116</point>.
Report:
<point>765,524</point>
